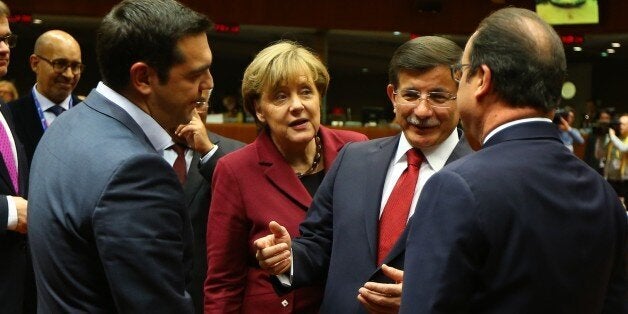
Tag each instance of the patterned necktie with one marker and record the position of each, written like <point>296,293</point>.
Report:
<point>395,214</point>
<point>7,155</point>
<point>179,164</point>
<point>56,109</point>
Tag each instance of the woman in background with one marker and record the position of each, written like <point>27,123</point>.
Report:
<point>273,178</point>
<point>8,92</point>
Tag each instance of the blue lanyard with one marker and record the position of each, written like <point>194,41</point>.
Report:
<point>44,123</point>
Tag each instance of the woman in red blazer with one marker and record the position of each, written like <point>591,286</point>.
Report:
<point>273,178</point>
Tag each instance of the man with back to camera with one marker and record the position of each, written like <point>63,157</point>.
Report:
<point>199,156</point>
<point>56,61</point>
<point>17,289</point>
<point>112,232</point>
<point>345,236</point>
<point>491,234</point>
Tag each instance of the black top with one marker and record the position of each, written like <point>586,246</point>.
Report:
<point>312,181</point>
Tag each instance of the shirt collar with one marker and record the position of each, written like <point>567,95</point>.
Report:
<point>436,156</point>
<point>158,137</point>
<point>511,123</point>
<point>46,103</point>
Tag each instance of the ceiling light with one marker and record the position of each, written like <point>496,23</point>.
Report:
<point>615,45</point>
<point>365,70</point>
<point>604,54</point>
<point>577,48</point>
<point>37,21</point>
<point>610,50</point>
<point>396,33</point>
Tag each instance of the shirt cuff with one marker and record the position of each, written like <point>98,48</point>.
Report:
<point>12,218</point>
<point>284,279</point>
<point>209,154</point>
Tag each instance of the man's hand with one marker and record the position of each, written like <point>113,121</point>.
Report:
<point>273,251</point>
<point>611,131</point>
<point>22,214</point>
<point>564,125</point>
<point>195,135</point>
<point>382,297</point>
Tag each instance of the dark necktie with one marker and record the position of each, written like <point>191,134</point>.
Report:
<point>395,214</point>
<point>179,164</point>
<point>7,155</point>
<point>56,109</point>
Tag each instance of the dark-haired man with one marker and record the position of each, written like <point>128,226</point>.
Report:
<point>522,225</point>
<point>112,231</point>
<point>352,235</point>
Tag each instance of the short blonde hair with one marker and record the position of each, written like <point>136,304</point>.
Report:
<point>4,10</point>
<point>276,64</point>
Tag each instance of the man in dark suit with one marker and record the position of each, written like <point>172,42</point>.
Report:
<point>204,149</point>
<point>56,61</point>
<point>340,238</point>
<point>17,287</point>
<point>111,230</point>
<point>522,225</point>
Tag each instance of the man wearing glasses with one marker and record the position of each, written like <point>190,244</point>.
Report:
<point>354,231</point>
<point>56,61</point>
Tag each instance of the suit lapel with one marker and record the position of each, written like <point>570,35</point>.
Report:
<point>279,173</point>
<point>379,158</point>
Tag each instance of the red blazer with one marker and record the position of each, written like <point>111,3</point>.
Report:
<point>251,187</point>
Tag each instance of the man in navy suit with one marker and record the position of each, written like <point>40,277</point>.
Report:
<point>204,149</point>
<point>56,61</point>
<point>522,225</point>
<point>340,236</point>
<point>111,231</point>
<point>17,288</point>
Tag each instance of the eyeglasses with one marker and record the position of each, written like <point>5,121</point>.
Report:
<point>9,40</point>
<point>202,102</point>
<point>60,65</point>
<point>456,71</point>
<point>410,97</point>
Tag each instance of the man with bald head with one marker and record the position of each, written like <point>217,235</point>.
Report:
<point>56,61</point>
<point>522,225</point>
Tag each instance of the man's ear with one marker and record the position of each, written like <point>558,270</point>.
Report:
<point>34,61</point>
<point>389,91</point>
<point>484,82</point>
<point>142,77</point>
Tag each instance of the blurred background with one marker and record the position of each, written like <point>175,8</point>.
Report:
<point>355,39</point>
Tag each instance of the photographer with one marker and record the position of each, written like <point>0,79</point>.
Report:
<point>597,141</point>
<point>563,118</point>
<point>616,169</point>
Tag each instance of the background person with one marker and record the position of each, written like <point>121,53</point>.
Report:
<point>272,178</point>
<point>56,61</point>
<point>616,168</point>
<point>490,233</point>
<point>564,118</point>
<point>202,150</point>
<point>8,92</point>
<point>347,235</point>
<point>112,231</point>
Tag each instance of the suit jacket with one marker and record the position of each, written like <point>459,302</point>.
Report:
<point>16,279</point>
<point>251,187</point>
<point>197,190</point>
<point>339,237</point>
<point>520,226</point>
<point>27,122</point>
<point>107,221</point>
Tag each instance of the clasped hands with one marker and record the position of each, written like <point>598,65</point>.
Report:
<point>274,256</point>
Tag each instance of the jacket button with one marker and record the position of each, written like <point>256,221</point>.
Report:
<point>284,303</point>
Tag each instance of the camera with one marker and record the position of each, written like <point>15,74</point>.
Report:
<point>560,113</point>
